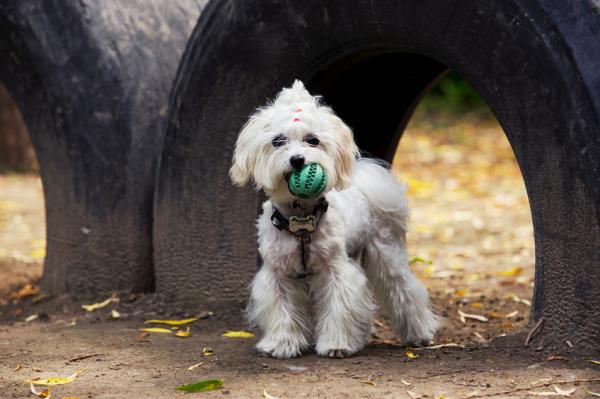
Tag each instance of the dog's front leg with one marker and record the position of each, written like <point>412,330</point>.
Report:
<point>344,308</point>
<point>278,305</point>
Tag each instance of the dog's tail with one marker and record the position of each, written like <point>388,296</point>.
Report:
<point>384,193</point>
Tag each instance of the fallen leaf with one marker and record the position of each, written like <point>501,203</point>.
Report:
<point>593,393</point>
<point>18,367</point>
<point>156,330</point>
<point>461,293</point>
<point>207,351</point>
<point>205,314</point>
<point>596,362</point>
<point>114,314</point>
<point>367,382</point>
<point>142,336</point>
<point>183,334</point>
<point>239,334</point>
<point>195,366</point>
<point>99,305</point>
<point>412,394</point>
<point>464,316</point>
<point>78,358</point>
<point>512,272</point>
<point>512,314</point>
<point>419,260</point>
<point>201,386</point>
<point>26,291</point>
<point>173,322</point>
<point>40,394</point>
<point>31,318</point>
<point>405,382</point>
<point>411,355</point>
<point>267,396</point>
<point>521,300</point>
<point>55,380</point>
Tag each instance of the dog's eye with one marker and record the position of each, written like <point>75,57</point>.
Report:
<point>312,140</point>
<point>279,140</point>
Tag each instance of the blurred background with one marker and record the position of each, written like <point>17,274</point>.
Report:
<point>470,239</point>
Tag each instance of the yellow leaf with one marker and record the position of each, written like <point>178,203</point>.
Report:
<point>55,380</point>
<point>596,362</point>
<point>99,305</point>
<point>207,351</point>
<point>114,314</point>
<point>38,253</point>
<point>367,382</point>
<point>172,322</point>
<point>512,272</point>
<point>239,334</point>
<point>477,305</point>
<point>195,366</point>
<point>461,293</point>
<point>156,330</point>
<point>411,355</point>
<point>183,334</point>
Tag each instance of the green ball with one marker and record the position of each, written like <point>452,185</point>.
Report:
<point>308,182</point>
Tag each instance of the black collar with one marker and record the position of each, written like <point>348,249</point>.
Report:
<point>300,226</point>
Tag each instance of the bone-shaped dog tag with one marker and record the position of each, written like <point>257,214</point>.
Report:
<point>308,223</point>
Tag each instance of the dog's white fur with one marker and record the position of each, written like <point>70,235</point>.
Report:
<point>358,248</point>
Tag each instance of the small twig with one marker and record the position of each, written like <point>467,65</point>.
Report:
<point>533,330</point>
<point>78,358</point>
<point>532,387</point>
<point>448,373</point>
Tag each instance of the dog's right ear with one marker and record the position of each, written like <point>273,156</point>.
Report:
<point>245,152</point>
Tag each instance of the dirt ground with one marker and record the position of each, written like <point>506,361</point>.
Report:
<point>472,244</point>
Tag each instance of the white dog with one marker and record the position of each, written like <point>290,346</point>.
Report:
<point>326,271</point>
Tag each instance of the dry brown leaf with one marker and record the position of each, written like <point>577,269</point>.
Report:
<point>143,336</point>
<point>26,291</point>
<point>45,394</point>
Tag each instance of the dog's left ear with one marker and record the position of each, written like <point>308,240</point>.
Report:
<point>346,152</point>
<point>244,154</point>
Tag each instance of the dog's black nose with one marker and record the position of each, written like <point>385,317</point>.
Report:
<point>297,161</point>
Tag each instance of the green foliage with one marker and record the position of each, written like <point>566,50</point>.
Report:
<point>453,94</point>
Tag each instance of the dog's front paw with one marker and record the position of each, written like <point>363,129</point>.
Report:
<point>335,351</point>
<point>282,348</point>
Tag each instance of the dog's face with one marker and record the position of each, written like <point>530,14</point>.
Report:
<point>292,131</point>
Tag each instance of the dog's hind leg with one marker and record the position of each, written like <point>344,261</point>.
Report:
<point>278,305</point>
<point>344,308</point>
<point>403,297</point>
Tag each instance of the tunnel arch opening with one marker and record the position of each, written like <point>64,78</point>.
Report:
<point>22,206</point>
<point>383,97</point>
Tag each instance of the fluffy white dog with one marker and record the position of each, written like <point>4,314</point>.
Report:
<point>317,281</point>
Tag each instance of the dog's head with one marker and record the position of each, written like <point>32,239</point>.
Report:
<point>294,130</point>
